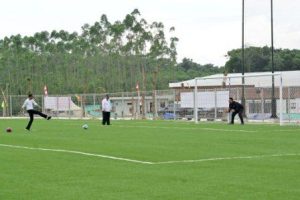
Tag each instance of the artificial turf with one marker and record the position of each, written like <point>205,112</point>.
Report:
<point>44,174</point>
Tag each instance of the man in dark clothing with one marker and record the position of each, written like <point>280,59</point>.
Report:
<point>235,108</point>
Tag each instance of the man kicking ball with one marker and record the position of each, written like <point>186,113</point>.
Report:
<point>235,108</point>
<point>29,104</point>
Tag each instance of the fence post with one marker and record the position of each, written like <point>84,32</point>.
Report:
<point>69,106</point>
<point>94,101</point>
<point>195,102</point>
<point>138,105</point>
<point>57,107</point>
<point>174,105</point>
<point>43,107</point>
<point>288,101</point>
<point>280,101</point>
<point>262,103</point>
<point>81,105</point>
<point>216,104</point>
<point>123,106</point>
<point>10,105</point>
<point>155,104</point>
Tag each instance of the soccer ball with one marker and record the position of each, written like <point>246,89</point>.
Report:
<point>8,130</point>
<point>85,126</point>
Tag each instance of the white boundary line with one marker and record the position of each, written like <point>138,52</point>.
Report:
<point>291,130</point>
<point>228,158</point>
<point>147,162</point>
<point>189,128</point>
<point>199,128</point>
<point>77,152</point>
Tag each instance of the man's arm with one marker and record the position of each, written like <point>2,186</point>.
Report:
<point>110,106</point>
<point>24,104</point>
<point>230,108</point>
<point>23,107</point>
<point>103,104</point>
<point>241,106</point>
<point>35,104</point>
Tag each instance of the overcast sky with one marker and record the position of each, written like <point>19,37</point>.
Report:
<point>207,29</point>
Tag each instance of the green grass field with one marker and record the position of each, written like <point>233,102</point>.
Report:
<point>148,160</point>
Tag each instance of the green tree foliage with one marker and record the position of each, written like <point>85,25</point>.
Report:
<point>112,57</point>
<point>258,59</point>
<point>188,69</point>
<point>103,57</point>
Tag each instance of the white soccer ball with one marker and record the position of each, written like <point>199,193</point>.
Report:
<point>85,126</point>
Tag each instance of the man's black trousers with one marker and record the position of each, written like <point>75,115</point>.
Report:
<point>240,113</point>
<point>106,118</point>
<point>31,115</point>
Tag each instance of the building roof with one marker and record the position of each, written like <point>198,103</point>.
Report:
<point>289,79</point>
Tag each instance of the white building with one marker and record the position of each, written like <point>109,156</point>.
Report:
<point>258,90</point>
<point>289,78</point>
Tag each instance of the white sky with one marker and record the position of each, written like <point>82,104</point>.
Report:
<point>207,29</point>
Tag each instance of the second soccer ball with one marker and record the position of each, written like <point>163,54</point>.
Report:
<point>85,126</point>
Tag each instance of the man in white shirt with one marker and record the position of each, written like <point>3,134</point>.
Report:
<point>29,105</point>
<point>106,108</point>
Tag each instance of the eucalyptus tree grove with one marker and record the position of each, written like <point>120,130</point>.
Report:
<point>104,57</point>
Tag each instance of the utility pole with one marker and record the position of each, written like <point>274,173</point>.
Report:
<point>243,54</point>
<point>274,112</point>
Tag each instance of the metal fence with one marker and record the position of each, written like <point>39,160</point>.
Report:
<point>162,104</point>
<point>130,105</point>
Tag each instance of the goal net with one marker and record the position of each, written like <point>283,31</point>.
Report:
<point>262,101</point>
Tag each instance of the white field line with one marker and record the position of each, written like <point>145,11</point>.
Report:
<point>77,152</point>
<point>199,128</point>
<point>287,130</point>
<point>140,125</point>
<point>188,128</point>
<point>227,158</point>
<point>148,162</point>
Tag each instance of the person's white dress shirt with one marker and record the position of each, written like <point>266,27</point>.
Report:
<point>106,105</point>
<point>29,104</point>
